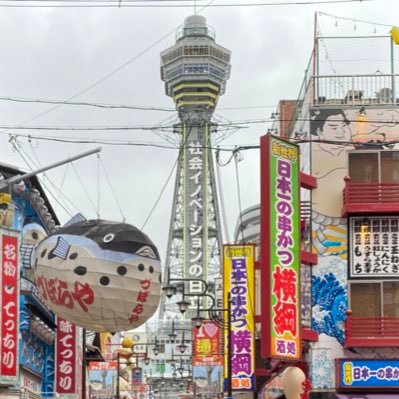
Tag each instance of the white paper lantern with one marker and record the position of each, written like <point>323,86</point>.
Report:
<point>101,275</point>
<point>292,379</point>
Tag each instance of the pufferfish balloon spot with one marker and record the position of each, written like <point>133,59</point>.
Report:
<point>101,275</point>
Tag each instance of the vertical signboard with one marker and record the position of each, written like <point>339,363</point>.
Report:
<point>195,207</point>
<point>280,249</point>
<point>239,282</point>
<point>66,357</point>
<point>10,308</point>
<point>207,350</point>
<point>375,251</point>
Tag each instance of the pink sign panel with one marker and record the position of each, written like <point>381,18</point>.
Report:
<point>10,306</point>
<point>65,357</point>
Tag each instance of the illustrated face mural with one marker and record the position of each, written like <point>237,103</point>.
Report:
<point>101,275</point>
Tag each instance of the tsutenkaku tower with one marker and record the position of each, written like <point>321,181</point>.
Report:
<point>195,71</point>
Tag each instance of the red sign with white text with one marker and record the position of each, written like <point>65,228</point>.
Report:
<point>207,348</point>
<point>65,357</point>
<point>10,307</point>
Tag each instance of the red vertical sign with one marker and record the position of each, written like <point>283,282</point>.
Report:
<point>207,348</point>
<point>65,357</point>
<point>10,306</point>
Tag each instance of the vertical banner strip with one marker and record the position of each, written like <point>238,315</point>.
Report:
<point>66,357</point>
<point>265,314</point>
<point>239,282</point>
<point>280,256</point>
<point>10,308</point>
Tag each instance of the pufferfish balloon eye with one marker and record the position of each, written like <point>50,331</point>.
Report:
<point>101,275</point>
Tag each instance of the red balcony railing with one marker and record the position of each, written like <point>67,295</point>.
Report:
<point>371,331</point>
<point>370,198</point>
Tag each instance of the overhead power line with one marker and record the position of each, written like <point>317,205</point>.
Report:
<point>88,104</point>
<point>228,148</point>
<point>352,19</point>
<point>115,106</point>
<point>127,3</point>
<point>221,125</point>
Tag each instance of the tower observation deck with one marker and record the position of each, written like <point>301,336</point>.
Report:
<point>195,70</point>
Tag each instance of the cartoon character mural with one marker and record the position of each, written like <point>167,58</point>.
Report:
<point>103,276</point>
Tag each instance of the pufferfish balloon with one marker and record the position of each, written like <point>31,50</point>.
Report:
<point>103,276</point>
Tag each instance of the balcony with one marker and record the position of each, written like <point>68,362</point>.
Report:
<point>371,331</point>
<point>367,198</point>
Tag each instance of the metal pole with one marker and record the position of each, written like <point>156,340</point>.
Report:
<point>18,178</point>
<point>117,376</point>
<point>393,99</point>
<point>84,363</point>
<point>229,349</point>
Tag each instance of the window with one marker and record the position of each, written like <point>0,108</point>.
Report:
<point>374,299</point>
<point>374,166</point>
<point>196,50</point>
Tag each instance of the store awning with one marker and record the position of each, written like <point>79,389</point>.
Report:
<point>366,396</point>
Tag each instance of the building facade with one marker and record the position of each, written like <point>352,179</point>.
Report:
<point>28,327</point>
<point>42,355</point>
<point>347,125</point>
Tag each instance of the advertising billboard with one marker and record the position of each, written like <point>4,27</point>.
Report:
<point>239,295</point>
<point>280,249</point>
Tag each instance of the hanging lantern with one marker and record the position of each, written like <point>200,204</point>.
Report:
<point>103,276</point>
<point>395,34</point>
<point>293,383</point>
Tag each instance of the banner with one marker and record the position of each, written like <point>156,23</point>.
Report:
<point>367,373</point>
<point>280,250</point>
<point>207,348</point>
<point>66,360</point>
<point>239,284</point>
<point>10,308</point>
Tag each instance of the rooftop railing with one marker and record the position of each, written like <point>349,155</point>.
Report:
<point>376,89</point>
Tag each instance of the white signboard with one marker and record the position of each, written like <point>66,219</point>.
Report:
<point>374,251</point>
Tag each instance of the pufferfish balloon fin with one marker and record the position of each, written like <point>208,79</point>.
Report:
<point>147,252</point>
<point>60,250</point>
<point>75,219</point>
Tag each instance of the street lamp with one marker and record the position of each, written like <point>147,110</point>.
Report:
<point>183,305</point>
<point>198,320</point>
<point>170,290</point>
<point>182,346</point>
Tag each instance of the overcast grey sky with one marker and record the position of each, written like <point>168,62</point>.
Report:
<point>56,53</point>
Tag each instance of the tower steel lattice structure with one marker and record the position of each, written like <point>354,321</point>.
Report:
<point>195,70</point>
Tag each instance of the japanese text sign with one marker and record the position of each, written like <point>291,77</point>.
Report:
<point>195,203</point>
<point>368,373</point>
<point>280,249</point>
<point>207,349</point>
<point>239,282</point>
<point>374,243</point>
<point>10,305</point>
<point>65,357</point>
